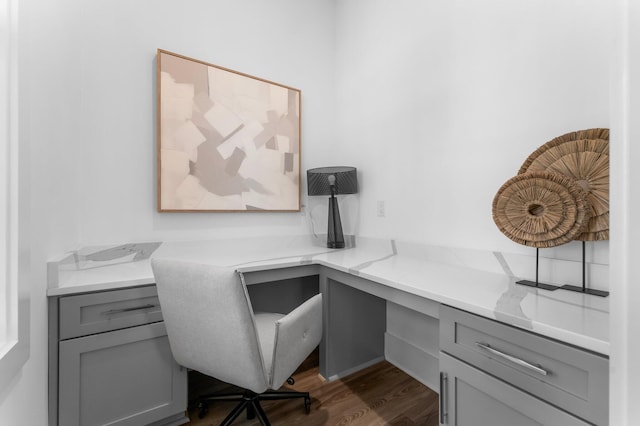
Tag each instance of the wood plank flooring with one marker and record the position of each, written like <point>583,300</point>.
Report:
<point>377,396</point>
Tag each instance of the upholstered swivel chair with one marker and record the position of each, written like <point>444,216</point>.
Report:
<point>212,329</point>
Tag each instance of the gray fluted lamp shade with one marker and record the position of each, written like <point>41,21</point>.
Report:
<point>332,181</point>
<point>318,180</point>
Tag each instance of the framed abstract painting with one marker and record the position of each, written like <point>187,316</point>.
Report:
<point>227,141</point>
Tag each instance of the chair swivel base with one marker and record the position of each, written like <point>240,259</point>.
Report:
<point>251,402</point>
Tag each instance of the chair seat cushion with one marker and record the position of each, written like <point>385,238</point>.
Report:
<point>266,328</point>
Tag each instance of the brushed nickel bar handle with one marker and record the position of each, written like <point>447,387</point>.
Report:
<point>134,308</point>
<point>443,399</point>
<point>513,359</point>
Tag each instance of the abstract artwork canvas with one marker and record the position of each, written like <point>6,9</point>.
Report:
<point>227,141</point>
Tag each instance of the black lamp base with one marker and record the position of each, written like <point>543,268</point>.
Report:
<point>335,237</point>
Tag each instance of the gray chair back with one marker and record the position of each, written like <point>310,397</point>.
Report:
<point>210,322</point>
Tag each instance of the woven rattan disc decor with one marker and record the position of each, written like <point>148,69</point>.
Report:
<point>540,209</point>
<point>584,157</point>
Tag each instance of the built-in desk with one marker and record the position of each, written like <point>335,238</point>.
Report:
<point>382,298</point>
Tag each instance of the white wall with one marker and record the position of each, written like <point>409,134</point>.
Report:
<point>286,41</point>
<point>48,103</point>
<point>87,108</point>
<point>440,102</point>
<point>625,203</point>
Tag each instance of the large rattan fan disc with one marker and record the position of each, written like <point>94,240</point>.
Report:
<point>584,157</point>
<point>541,209</point>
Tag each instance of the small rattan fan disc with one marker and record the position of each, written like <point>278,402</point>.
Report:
<point>584,157</point>
<point>541,209</point>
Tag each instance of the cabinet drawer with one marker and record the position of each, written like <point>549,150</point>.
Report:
<point>102,311</point>
<point>570,378</point>
<point>470,397</point>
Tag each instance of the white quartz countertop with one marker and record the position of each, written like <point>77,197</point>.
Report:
<point>481,282</point>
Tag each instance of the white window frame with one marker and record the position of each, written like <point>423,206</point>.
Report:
<point>14,208</point>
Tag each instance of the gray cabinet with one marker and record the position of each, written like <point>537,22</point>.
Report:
<point>499,372</point>
<point>471,397</point>
<point>111,362</point>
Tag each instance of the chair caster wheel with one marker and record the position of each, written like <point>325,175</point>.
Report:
<point>307,405</point>
<point>290,381</point>
<point>203,409</point>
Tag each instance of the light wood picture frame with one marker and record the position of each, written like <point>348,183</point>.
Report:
<point>227,141</point>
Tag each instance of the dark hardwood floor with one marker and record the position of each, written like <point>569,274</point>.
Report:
<point>379,395</point>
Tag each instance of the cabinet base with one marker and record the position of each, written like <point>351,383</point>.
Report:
<point>178,419</point>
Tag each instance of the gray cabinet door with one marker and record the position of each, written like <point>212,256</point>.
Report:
<point>470,397</point>
<point>575,380</point>
<point>124,377</point>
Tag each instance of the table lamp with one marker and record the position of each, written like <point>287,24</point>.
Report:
<point>332,181</point>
